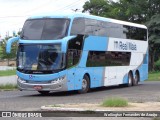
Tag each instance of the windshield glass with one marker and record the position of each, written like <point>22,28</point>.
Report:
<point>40,57</point>
<point>45,29</point>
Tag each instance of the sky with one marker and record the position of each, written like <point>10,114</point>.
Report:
<point>13,13</point>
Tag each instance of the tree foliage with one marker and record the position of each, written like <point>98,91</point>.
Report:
<point>3,53</point>
<point>138,11</point>
<point>97,7</point>
<point>154,38</point>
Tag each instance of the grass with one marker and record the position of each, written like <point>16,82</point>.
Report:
<point>7,72</point>
<point>154,76</point>
<point>8,87</point>
<point>115,102</point>
<point>156,118</point>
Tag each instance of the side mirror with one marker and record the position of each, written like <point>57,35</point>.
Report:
<point>9,43</point>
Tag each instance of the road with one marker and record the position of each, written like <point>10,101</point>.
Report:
<point>31,100</point>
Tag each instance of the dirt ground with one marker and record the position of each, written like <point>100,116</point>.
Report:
<point>11,63</point>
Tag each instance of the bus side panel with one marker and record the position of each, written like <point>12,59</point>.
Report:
<point>80,72</point>
<point>95,75</point>
<point>98,77</point>
<point>143,69</point>
<point>115,75</point>
<point>96,43</point>
<point>70,78</point>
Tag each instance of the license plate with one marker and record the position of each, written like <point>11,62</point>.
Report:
<point>38,87</point>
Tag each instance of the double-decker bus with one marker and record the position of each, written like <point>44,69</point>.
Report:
<point>64,52</point>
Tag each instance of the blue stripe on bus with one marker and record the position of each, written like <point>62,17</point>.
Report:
<point>143,71</point>
<point>125,79</point>
<point>96,43</point>
<point>40,77</point>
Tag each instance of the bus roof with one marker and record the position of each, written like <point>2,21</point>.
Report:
<point>75,15</point>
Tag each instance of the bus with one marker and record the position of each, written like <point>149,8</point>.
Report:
<point>64,52</point>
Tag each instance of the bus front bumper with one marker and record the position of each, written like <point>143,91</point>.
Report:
<point>60,85</point>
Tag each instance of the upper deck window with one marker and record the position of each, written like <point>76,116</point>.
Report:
<point>45,29</point>
<point>86,26</point>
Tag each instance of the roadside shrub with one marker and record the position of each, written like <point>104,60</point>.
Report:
<point>115,102</point>
<point>157,65</point>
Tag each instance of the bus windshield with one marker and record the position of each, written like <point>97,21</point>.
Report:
<point>45,29</point>
<point>40,58</point>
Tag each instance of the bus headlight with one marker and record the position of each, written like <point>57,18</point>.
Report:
<point>58,80</point>
<point>21,80</point>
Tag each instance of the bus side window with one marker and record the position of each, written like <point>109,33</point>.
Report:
<point>75,47</point>
<point>70,57</point>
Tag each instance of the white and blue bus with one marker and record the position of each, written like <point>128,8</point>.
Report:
<point>65,52</point>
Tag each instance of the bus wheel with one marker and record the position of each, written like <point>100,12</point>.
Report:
<point>85,85</point>
<point>136,79</point>
<point>44,92</point>
<point>130,79</point>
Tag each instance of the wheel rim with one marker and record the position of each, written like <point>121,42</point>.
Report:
<point>130,80</point>
<point>136,78</point>
<point>84,84</point>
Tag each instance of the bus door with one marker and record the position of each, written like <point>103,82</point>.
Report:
<point>74,52</point>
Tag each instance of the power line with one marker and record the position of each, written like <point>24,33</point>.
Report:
<point>68,6</point>
<point>38,7</point>
<point>13,16</point>
<point>63,8</point>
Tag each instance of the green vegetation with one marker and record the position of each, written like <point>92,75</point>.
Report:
<point>154,76</point>
<point>7,72</point>
<point>115,102</point>
<point>8,87</point>
<point>0,52</point>
<point>3,54</point>
<point>156,118</point>
<point>157,65</point>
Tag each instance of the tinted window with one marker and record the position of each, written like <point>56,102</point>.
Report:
<point>135,33</point>
<point>75,47</point>
<point>45,29</point>
<point>99,59</point>
<point>87,26</point>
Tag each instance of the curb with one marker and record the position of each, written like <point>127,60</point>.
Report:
<point>48,108</point>
<point>61,109</point>
<point>147,106</point>
<point>8,80</point>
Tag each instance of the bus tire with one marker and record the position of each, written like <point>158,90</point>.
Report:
<point>130,79</point>
<point>44,92</point>
<point>85,85</point>
<point>136,79</point>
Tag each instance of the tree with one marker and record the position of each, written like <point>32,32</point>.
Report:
<point>5,55</point>
<point>154,37</point>
<point>128,10</point>
<point>97,7</point>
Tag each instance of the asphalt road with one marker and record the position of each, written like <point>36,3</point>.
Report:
<point>31,100</point>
